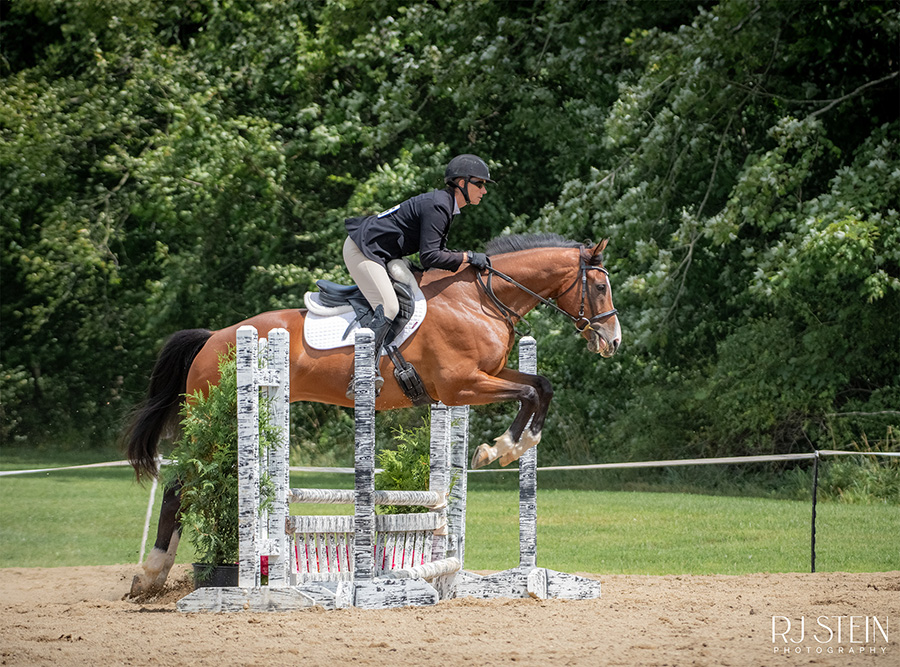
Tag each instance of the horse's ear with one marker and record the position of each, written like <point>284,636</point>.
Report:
<point>600,247</point>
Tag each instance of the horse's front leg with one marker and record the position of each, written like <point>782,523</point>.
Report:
<point>534,393</point>
<point>162,556</point>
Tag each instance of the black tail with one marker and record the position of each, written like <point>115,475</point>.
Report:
<point>160,409</point>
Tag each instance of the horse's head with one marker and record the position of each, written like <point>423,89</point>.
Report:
<point>589,302</point>
<point>587,299</point>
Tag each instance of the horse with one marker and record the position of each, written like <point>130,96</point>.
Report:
<point>460,350</point>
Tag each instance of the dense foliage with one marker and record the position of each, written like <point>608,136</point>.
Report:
<point>204,463</point>
<point>405,466</point>
<point>174,165</point>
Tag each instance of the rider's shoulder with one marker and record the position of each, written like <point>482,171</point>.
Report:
<point>441,199</point>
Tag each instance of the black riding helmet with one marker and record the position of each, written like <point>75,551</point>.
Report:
<point>466,166</point>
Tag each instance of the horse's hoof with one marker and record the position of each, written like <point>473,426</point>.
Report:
<point>140,587</point>
<point>484,455</point>
<point>137,588</point>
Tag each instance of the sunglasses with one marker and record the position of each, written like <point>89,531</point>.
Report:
<point>478,184</point>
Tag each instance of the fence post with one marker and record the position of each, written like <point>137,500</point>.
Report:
<point>815,493</point>
<point>248,457</point>
<point>528,472</point>
<point>364,521</point>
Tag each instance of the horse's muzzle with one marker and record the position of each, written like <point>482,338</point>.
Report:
<point>598,343</point>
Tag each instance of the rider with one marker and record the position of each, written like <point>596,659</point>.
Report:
<point>418,224</point>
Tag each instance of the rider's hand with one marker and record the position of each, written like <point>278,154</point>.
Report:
<point>479,260</point>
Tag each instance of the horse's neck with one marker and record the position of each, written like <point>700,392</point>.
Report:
<point>545,271</point>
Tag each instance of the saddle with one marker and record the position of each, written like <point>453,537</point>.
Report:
<point>336,310</point>
<point>334,295</point>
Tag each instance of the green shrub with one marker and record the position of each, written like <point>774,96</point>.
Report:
<point>861,479</point>
<point>16,385</point>
<point>204,463</point>
<point>405,468</point>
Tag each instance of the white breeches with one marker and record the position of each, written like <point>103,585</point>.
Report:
<point>372,279</point>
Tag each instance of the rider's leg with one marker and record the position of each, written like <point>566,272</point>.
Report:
<point>375,284</point>
<point>372,279</point>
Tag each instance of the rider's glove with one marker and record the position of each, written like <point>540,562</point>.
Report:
<point>479,260</point>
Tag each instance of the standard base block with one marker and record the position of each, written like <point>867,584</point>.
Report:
<point>374,594</point>
<point>233,599</point>
<point>537,582</point>
<point>389,593</point>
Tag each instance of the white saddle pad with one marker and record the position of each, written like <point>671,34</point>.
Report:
<point>324,327</point>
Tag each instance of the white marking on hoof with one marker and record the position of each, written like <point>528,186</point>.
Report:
<point>504,443</point>
<point>527,441</point>
<point>137,586</point>
<point>486,454</point>
<point>154,566</point>
<point>156,569</point>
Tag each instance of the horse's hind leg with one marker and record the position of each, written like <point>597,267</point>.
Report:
<point>534,394</point>
<point>162,556</point>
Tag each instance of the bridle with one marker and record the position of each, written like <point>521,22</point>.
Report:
<point>580,321</point>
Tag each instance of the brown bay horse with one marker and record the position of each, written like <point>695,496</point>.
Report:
<point>461,351</point>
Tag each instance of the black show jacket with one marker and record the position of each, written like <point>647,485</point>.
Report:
<point>418,224</point>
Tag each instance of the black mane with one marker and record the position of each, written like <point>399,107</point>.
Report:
<point>516,242</point>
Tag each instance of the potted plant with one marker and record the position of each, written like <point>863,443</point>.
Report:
<point>204,464</point>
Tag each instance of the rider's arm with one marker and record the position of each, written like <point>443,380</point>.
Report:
<point>433,253</point>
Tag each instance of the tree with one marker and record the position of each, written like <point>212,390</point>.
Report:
<point>169,166</point>
<point>736,183</point>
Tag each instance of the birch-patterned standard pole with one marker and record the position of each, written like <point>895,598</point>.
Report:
<point>364,386</point>
<point>258,537</point>
<point>439,470</point>
<point>459,461</point>
<point>248,457</point>
<point>277,458</point>
<point>528,472</point>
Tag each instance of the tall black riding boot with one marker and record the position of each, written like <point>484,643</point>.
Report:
<point>381,327</point>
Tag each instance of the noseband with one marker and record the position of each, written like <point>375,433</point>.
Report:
<point>580,321</point>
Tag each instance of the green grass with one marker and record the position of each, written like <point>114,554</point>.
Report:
<point>96,517</point>
<point>78,517</point>
<point>674,533</point>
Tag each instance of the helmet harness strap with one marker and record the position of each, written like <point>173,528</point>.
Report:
<point>463,189</point>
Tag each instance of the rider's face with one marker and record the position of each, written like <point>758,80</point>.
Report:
<point>476,189</point>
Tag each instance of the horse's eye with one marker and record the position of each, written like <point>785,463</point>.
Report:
<point>601,287</point>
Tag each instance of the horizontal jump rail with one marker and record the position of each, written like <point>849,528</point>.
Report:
<point>425,571</point>
<point>431,499</point>
<point>388,523</point>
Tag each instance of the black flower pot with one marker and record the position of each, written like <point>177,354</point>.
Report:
<point>216,576</point>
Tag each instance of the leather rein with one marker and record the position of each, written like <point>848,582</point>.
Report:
<point>580,321</point>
